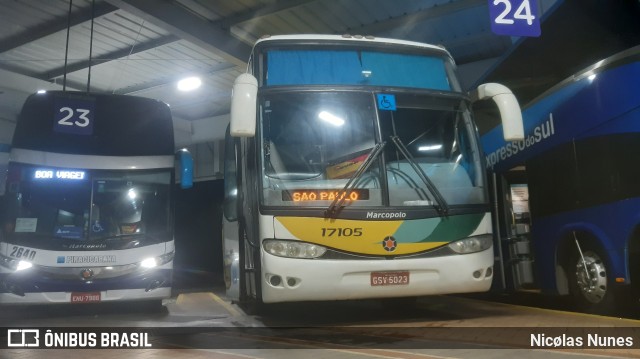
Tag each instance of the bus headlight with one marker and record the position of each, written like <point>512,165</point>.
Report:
<point>156,261</point>
<point>472,244</point>
<point>293,249</point>
<point>14,264</point>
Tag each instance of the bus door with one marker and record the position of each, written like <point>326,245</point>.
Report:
<point>512,229</point>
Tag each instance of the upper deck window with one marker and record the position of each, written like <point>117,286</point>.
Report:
<point>360,68</point>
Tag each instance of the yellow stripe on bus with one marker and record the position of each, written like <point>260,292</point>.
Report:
<point>355,236</point>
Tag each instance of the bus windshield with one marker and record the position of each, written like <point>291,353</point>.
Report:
<point>315,141</point>
<point>85,205</point>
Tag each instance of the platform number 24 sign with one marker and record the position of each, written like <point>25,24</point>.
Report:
<point>515,17</point>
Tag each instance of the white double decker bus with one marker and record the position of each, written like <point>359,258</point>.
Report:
<point>87,215</point>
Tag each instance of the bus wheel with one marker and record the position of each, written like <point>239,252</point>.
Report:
<point>590,282</point>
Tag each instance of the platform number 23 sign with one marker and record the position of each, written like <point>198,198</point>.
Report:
<point>74,116</point>
<point>515,17</point>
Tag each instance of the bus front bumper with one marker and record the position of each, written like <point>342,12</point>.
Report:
<point>287,279</point>
<point>33,288</point>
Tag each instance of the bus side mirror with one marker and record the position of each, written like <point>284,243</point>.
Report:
<point>186,169</point>
<point>243,106</point>
<point>510,112</point>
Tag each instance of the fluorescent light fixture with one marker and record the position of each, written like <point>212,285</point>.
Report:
<point>331,118</point>
<point>189,83</point>
<point>429,148</point>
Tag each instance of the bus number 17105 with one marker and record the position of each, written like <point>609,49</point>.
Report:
<point>341,232</point>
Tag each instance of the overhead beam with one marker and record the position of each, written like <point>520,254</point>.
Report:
<point>498,45</point>
<point>119,55</point>
<point>276,7</point>
<point>188,26</point>
<point>115,55</point>
<point>417,17</point>
<point>54,26</point>
<point>21,71</point>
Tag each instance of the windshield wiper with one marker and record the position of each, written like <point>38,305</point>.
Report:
<point>336,205</point>
<point>442,206</point>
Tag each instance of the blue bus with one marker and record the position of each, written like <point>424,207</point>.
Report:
<point>87,214</point>
<point>568,195</point>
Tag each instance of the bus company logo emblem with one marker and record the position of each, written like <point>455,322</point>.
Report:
<point>86,274</point>
<point>23,338</point>
<point>389,244</point>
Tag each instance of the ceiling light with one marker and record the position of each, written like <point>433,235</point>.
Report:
<point>42,91</point>
<point>189,84</point>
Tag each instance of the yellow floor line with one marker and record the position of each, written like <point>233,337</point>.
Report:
<point>234,312</point>
<point>179,299</point>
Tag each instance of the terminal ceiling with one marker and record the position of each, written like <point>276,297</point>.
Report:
<point>143,47</point>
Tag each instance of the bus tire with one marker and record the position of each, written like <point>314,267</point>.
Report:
<point>590,282</point>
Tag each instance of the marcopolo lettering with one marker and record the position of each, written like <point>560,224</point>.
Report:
<point>386,215</point>
<point>87,246</point>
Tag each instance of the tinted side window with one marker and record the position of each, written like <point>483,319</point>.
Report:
<point>607,169</point>
<point>553,181</point>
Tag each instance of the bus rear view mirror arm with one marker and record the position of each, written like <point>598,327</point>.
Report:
<point>243,106</point>
<point>510,112</point>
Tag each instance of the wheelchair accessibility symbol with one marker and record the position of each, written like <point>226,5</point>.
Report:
<point>97,227</point>
<point>386,102</point>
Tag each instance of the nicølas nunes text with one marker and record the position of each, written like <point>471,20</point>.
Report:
<point>592,341</point>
